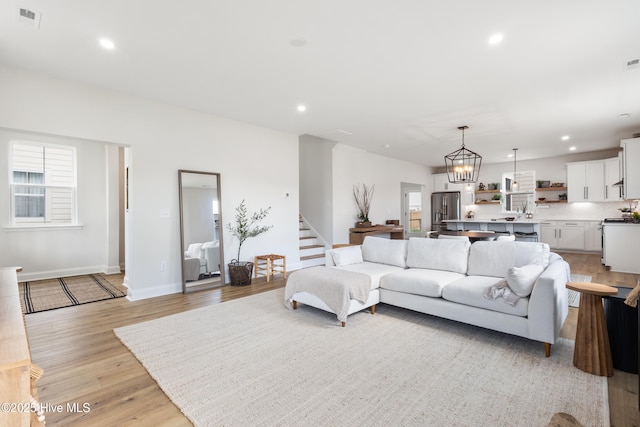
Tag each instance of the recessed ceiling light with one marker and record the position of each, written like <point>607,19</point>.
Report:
<point>386,146</point>
<point>572,148</point>
<point>107,44</point>
<point>510,155</point>
<point>301,108</point>
<point>566,138</point>
<point>495,39</point>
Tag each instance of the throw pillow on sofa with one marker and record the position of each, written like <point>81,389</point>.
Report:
<point>347,255</point>
<point>495,258</point>
<point>438,254</point>
<point>522,279</point>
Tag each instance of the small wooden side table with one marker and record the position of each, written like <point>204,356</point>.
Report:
<point>268,265</point>
<point>592,352</point>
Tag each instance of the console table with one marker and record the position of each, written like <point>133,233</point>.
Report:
<point>357,235</point>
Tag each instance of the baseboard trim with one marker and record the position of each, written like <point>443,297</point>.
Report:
<point>52,274</point>
<point>158,291</point>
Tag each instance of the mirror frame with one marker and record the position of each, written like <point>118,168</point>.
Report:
<point>185,288</point>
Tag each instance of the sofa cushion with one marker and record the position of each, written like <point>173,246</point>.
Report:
<point>419,281</point>
<point>374,270</point>
<point>522,279</point>
<point>469,290</point>
<point>438,254</point>
<point>496,258</point>
<point>347,255</point>
<point>385,251</point>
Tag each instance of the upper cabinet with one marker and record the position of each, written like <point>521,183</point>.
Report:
<point>631,167</point>
<point>612,176</point>
<point>586,181</point>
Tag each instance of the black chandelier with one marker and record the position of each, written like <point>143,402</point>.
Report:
<point>463,165</point>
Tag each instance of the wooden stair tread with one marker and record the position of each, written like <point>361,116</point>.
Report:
<point>308,237</point>
<point>311,247</point>
<point>303,258</point>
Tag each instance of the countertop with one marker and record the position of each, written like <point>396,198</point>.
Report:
<point>496,221</point>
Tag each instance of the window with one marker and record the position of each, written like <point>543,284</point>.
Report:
<point>43,184</point>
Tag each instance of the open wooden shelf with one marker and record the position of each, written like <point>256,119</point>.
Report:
<point>544,202</point>
<point>487,191</point>
<point>552,189</point>
<point>489,202</point>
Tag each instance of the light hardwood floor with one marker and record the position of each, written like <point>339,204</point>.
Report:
<point>84,363</point>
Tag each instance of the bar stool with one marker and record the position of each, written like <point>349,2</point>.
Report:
<point>266,265</point>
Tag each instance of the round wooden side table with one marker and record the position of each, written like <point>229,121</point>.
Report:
<point>592,352</point>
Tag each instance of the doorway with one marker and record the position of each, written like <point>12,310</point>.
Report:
<point>412,211</point>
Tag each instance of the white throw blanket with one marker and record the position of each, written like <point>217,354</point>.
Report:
<point>334,286</point>
<point>502,290</point>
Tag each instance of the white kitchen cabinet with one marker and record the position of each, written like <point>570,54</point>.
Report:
<point>593,236</point>
<point>631,169</point>
<point>618,250</point>
<point>569,235</point>
<point>612,175</point>
<point>585,181</point>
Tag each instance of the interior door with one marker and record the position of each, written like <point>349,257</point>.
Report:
<point>414,223</point>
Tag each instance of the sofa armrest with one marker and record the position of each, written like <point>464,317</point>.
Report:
<point>548,303</point>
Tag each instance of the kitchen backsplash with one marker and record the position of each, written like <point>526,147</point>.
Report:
<point>591,211</point>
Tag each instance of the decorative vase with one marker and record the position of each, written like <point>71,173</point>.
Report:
<point>240,272</point>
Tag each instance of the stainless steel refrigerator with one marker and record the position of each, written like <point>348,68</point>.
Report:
<point>444,205</point>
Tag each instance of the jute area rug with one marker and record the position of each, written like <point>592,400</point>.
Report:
<point>253,362</point>
<point>574,296</point>
<point>43,295</point>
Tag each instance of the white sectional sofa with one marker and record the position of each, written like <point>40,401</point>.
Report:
<point>514,287</point>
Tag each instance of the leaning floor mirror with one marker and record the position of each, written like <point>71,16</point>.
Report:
<point>200,233</point>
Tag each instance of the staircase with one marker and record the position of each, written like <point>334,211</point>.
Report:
<point>311,248</point>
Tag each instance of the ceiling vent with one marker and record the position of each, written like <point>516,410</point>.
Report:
<point>28,18</point>
<point>633,64</point>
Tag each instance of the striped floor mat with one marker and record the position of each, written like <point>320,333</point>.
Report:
<point>50,294</point>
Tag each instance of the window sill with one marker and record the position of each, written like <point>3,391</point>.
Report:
<point>44,227</point>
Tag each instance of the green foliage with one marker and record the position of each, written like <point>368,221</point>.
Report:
<point>246,226</point>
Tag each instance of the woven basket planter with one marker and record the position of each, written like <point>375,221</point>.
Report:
<point>240,272</point>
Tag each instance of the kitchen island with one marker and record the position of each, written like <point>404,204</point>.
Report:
<point>524,229</point>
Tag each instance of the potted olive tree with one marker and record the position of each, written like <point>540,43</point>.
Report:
<point>243,228</point>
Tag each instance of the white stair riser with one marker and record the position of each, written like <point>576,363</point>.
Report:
<point>308,242</point>
<point>312,251</point>
<point>305,233</point>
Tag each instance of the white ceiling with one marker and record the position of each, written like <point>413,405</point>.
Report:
<point>403,73</point>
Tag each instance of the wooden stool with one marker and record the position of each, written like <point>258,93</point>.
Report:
<point>266,264</point>
<point>592,352</point>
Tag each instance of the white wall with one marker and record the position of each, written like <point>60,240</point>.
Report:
<point>60,251</point>
<point>352,166</point>
<point>316,184</point>
<point>256,164</point>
